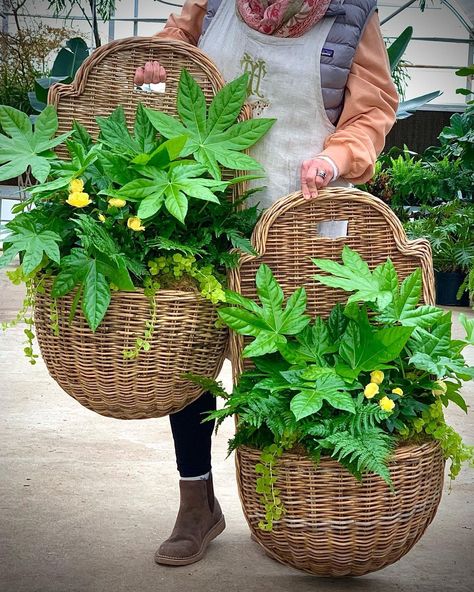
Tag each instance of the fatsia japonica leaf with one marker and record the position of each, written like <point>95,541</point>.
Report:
<point>436,341</point>
<point>213,136</point>
<point>442,366</point>
<point>329,388</point>
<point>364,348</point>
<point>170,188</point>
<point>34,244</point>
<point>312,344</point>
<point>270,323</point>
<point>404,308</point>
<point>354,275</point>
<point>21,147</point>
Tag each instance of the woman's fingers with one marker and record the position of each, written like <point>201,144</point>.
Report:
<point>315,174</point>
<point>139,77</point>
<point>150,73</point>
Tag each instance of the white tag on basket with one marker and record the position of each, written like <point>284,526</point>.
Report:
<point>332,228</point>
<point>159,87</point>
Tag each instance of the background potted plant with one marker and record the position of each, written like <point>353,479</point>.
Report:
<point>450,229</point>
<point>358,396</point>
<point>124,247</point>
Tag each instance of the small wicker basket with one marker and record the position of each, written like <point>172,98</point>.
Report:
<point>90,366</point>
<point>335,526</point>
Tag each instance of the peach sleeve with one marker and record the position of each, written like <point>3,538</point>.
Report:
<point>186,26</point>
<point>370,104</point>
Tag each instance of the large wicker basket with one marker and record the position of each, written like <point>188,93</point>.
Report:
<point>90,366</point>
<point>335,526</point>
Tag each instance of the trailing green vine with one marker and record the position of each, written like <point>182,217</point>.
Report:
<point>25,314</point>
<point>270,499</point>
<point>432,422</point>
<point>151,287</point>
<point>54,316</point>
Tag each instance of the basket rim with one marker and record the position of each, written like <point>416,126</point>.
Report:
<point>190,294</point>
<point>403,450</point>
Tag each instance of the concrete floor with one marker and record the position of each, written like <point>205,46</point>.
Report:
<point>85,501</point>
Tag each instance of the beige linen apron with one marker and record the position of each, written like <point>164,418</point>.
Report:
<point>285,83</point>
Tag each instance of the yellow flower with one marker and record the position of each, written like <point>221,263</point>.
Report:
<point>440,388</point>
<point>78,199</point>
<point>397,391</point>
<point>101,217</point>
<point>386,404</point>
<point>135,223</point>
<point>371,390</point>
<point>377,376</point>
<point>116,202</point>
<point>76,186</point>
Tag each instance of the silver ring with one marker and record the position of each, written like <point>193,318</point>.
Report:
<point>322,174</point>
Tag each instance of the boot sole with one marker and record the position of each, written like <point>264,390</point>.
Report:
<point>212,534</point>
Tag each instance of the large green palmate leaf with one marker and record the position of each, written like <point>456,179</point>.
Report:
<point>213,138</point>
<point>33,244</point>
<point>329,388</point>
<point>365,348</point>
<point>312,344</point>
<point>170,188</point>
<point>405,310</point>
<point>442,366</point>
<point>354,275</point>
<point>270,323</point>
<point>435,342</point>
<point>21,147</point>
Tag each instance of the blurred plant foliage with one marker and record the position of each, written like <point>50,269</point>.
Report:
<point>25,53</point>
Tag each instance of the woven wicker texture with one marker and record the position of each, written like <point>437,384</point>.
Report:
<point>336,526</point>
<point>90,366</point>
<point>105,81</point>
<point>286,238</point>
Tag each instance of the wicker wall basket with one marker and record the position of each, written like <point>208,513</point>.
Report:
<point>335,526</point>
<point>90,366</point>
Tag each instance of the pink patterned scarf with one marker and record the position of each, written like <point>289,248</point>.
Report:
<point>282,18</point>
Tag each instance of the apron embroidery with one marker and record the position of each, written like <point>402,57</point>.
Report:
<point>256,69</point>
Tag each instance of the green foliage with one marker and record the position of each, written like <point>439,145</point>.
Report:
<point>64,68</point>
<point>449,228</point>
<point>351,386</point>
<point>107,216</point>
<point>270,323</point>
<point>21,147</point>
<point>212,137</point>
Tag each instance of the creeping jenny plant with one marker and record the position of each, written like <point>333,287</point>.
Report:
<point>379,370</point>
<point>142,209</point>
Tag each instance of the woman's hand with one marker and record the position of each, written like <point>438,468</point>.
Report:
<point>150,73</point>
<point>316,173</point>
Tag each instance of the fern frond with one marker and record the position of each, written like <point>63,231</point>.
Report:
<point>368,451</point>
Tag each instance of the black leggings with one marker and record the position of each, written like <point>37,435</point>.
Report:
<point>192,439</point>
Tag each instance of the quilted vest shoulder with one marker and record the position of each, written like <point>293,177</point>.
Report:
<point>339,48</point>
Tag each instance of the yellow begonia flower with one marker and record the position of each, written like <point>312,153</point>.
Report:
<point>371,390</point>
<point>135,223</point>
<point>397,391</point>
<point>386,404</point>
<point>440,388</point>
<point>76,186</point>
<point>78,199</point>
<point>377,376</point>
<point>116,202</point>
<point>101,217</point>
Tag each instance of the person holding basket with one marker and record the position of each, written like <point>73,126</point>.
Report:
<point>320,67</point>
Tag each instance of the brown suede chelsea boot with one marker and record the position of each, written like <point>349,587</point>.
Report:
<point>199,520</point>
